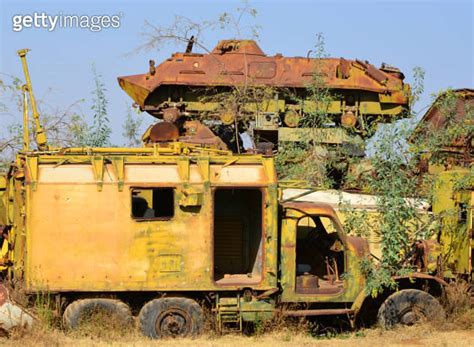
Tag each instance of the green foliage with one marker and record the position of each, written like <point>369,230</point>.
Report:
<point>400,189</point>
<point>65,127</point>
<point>317,90</point>
<point>100,131</point>
<point>393,182</point>
<point>465,182</point>
<point>312,161</point>
<point>378,278</point>
<point>45,311</point>
<point>357,221</point>
<point>302,161</point>
<point>440,140</point>
<point>417,87</point>
<point>397,183</point>
<point>132,130</point>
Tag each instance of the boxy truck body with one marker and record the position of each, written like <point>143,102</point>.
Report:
<point>173,226</point>
<point>78,223</point>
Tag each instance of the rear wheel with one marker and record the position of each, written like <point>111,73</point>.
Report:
<point>97,311</point>
<point>171,317</point>
<point>409,306</point>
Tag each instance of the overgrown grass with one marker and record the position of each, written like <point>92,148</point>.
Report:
<point>100,329</point>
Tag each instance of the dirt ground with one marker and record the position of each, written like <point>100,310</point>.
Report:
<point>457,333</point>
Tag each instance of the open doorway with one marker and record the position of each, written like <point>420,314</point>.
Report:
<point>237,235</point>
<point>320,260</point>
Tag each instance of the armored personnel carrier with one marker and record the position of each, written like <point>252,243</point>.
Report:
<point>272,98</point>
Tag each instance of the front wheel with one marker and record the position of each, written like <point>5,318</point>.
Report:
<point>409,306</point>
<point>171,317</point>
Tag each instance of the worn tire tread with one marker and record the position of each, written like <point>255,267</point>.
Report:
<point>148,314</point>
<point>72,313</point>
<point>388,314</point>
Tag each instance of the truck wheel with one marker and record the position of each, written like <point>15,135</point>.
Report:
<point>171,317</point>
<point>409,306</point>
<point>78,311</point>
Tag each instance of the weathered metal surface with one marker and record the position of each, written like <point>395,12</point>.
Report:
<point>121,253</point>
<point>243,60</point>
<point>188,84</point>
<point>318,312</point>
<point>427,256</point>
<point>40,135</point>
<point>161,132</point>
<point>461,150</point>
<point>197,133</point>
<point>3,211</point>
<point>81,200</point>
<point>453,191</point>
<point>357,203</point>
<point>355,249</point>
<point>454,207</point>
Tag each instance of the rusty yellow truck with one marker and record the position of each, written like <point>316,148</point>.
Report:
<point>173,229</point>
<point>168,231</point>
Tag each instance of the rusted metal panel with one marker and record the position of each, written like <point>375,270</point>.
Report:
<point>189,82</point>
<point>437,119</point>
<point>94,228</point>
<point>219,69</point>
<point>355,249</point>
<point>318,312</point>
<point>461,149</point>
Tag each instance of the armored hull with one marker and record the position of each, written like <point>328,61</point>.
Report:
<point>202,86</point>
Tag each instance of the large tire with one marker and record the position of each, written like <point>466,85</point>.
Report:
<point>171,317</point>
<point>81,309</point>
<point>409,306</point>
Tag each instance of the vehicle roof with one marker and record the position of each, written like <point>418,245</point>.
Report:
<point>310,207</point>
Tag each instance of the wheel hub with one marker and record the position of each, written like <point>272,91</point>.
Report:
<point>173,323</point>
<point>409,318</point>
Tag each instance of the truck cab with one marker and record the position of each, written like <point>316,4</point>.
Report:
<point>319,262</point>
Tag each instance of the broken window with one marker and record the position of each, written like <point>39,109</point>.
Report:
<point>152,203</point>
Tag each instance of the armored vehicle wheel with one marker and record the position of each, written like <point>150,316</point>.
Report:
<point>80,310</point>
<point>409,306</point>
<point>171,317</point>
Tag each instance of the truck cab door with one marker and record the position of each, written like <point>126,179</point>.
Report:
<point>319,263</point>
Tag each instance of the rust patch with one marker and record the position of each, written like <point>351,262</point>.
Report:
<point>234,62</point>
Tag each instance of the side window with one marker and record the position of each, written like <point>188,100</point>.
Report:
<point>152,203</point>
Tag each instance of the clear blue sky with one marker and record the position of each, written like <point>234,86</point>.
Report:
<point>435,35</point>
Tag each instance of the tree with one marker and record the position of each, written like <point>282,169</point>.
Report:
<point>66,127</point>
<point>132,130</point>
<point>100,131</point>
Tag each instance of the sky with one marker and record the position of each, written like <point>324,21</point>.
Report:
<point>434,35</point>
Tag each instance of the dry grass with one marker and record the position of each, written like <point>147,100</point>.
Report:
<point>457,331</point>
<point>457,297</point>
<point>423,335</point>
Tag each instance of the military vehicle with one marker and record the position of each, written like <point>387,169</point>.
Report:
<point>451,167</point>
<point>237,87</point>
<point>172,229</point>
